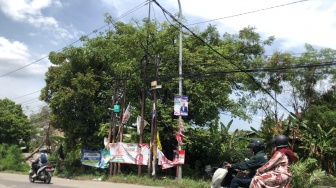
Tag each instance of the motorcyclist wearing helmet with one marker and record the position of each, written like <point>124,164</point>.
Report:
<point>40,160</point>
<point>275,173</point>
<point>258,159</point>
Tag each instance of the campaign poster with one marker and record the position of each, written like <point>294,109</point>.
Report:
<point>181,157</point>
<point>181,105</point>
<point>104,162</point>
<point>130,153</point>
<point>91,158</point>
<point>165,163</point>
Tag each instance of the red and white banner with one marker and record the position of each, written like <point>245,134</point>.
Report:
<point>178,159</point>
<point>129,153</point>
<point>139,154</point>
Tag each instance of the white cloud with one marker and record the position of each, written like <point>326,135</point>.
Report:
<point>15,55</point>
<point>13,50</point>
<point>310,22</point>
<point>30,11</point>
<point>21,10</point>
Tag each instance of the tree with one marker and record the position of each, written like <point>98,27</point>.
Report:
<point>79,84</point>
<point>14,124</point>
<point>310,123</point>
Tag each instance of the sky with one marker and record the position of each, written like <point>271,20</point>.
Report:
<point>31,29</point>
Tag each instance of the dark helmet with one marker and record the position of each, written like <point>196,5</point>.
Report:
<point>280,141</point>
<point>256,145</point>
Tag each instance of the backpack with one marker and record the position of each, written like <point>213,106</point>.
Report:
<point>44,159</point>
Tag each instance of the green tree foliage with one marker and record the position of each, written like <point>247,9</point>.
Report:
<point>14,124</point>
<point>79,84</point>
<point>319,131</point>
<point>306,174</point>
<point>310,126</point>
<point>40,128</point>
<point>11,158</point>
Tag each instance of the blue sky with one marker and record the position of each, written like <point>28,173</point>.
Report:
<point>30,29</point>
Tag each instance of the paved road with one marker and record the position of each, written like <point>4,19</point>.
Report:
<point>22,181</point>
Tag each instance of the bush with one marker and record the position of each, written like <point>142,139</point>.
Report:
<point>307,175</point>
<point>11,159</point>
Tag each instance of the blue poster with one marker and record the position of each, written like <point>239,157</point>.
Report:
<point>91,158</point>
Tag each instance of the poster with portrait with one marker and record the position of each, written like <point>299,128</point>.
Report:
<point>130,153</point>
<point>165,163</point>
<point>181,105</point>
<point>104,162</point>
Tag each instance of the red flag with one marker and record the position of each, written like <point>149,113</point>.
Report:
<point>179,137</point>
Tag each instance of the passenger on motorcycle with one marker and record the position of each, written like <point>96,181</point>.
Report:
<point>275,173</point>
<point>258,159</point>
<point>40,160</point>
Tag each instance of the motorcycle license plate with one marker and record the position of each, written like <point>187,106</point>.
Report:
<point>49,170</point>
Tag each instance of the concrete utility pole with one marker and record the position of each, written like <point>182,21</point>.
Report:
<point>179,170</point>
<point>144,88</point>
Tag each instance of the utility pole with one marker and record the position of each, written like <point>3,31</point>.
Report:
<point>112,119</point>
<point>144,90</point>
<point>179,167</point>
<point>121,124</point>
<point>115,120</point>
<point>153,152</point>
<point>143,104</point>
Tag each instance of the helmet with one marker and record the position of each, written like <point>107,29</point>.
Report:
<point>42,150</point>
<point>280,141</point>
<point>256,145</point>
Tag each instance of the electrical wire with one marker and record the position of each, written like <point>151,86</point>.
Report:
<point>94,31</point>
<point>221,55</point>
<point>250,12</point>
<point>25,95</point>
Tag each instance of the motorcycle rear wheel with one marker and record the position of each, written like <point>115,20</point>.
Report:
<point>31,179</point>
<point>48,179</point>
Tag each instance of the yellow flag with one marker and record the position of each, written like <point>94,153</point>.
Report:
<point>158,141</point>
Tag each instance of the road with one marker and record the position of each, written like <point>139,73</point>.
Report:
<point>22,181</point>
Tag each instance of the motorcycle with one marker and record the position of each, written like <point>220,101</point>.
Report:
<point>44,173</point>
<point>222,176</point>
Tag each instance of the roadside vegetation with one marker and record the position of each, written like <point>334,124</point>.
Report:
<point>82,80</point>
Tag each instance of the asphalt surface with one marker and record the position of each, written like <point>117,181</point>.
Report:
<point>8,180</point>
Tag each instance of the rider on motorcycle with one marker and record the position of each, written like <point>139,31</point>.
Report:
<point>40,160</point>
<point>258,159</point>
<point>276,173</point>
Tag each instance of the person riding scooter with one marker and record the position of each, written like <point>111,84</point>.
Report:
<point>276,173</point>
<point>258,159</point>
<point>40,160</point>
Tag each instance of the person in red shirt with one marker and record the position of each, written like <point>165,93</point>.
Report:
<point>139,156</point>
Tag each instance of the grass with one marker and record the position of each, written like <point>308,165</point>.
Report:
<point>145,180</point>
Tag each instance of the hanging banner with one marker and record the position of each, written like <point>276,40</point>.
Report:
<point>178,159</point>
<point>139,124</point>
<point>181,105</point>
<point>129,153</point>
<point>127,114</point>
<point>91,158</point>
<point>133,153</point>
